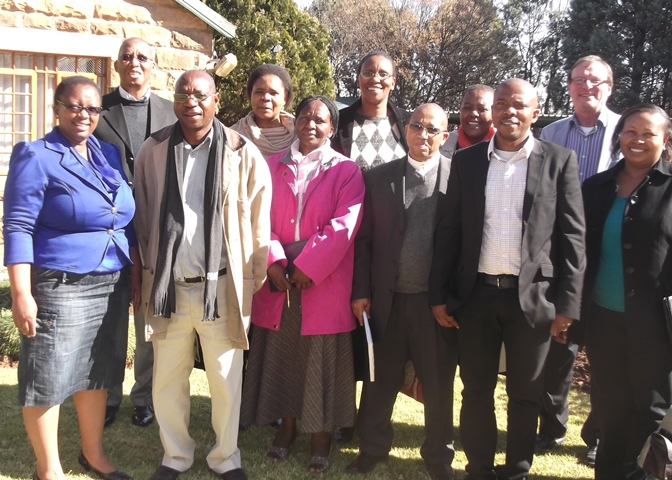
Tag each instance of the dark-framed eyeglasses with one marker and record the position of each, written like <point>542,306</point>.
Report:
<point>431,131</point>
<point>369,74</point>
<point>128,57</point>
<point>74,108</point>
<point>184,97</point>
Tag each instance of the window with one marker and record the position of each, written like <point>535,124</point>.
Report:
<point>27,84</point>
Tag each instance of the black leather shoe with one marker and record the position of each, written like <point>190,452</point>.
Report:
<point>164,473</point>
<point>364,462</point>
<point>116,475</point>
<point>235,474</point>
<point>544,443</point>
<point>142,416</point>
<point>440,471</point>
<point>344,434</point>
<point>110,414</point>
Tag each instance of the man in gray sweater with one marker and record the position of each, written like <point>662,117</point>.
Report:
<point>393,256</point>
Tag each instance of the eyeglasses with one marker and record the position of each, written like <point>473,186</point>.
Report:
<point>369,74</point>
<point>128,57</point>
<point>74,108</point>
<point>431,131</point>
<point>184,97</point>
<point>588,81</point>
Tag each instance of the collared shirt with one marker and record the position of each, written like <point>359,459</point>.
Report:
<point>305,168</point>
<point>588,146</point>
<point>503,221</point>
<point>190,261</point>
<point>124,94</point>
<point>423,167</point>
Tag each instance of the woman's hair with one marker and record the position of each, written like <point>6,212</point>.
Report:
<point>377,53</point>
<point>331,106</point>
<point>271,69</point>
<point>68,84</point>
<point>643,108</point>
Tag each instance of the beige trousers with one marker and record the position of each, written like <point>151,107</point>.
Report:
<point>173,362</point>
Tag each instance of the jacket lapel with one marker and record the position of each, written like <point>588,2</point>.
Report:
<point>535,165</point>
<point>396,181</point>
<point>76,167</point>
<point>156,113</point>
<point>117,122</point>
<point>480,163</point>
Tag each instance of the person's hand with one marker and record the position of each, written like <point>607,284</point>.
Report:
<point>24,311</point>
<point>300,280</point>
<point>559,328</point>
<point>359,306</point>
<point>441,314</point>
<point>278,276</point>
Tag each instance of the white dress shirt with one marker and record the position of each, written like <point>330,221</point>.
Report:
<point>503,223</point>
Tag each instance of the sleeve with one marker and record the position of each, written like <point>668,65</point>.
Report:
<point>324,251</point>
<point>260,191</point>
<point>361,281</point>
<point>447,236</point>
<point>571,230</point>
<point>24,197</point>
<point>140,221</point>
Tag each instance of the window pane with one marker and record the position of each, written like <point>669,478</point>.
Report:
<point>22,123</point>
<point>5,60</point>
<point>23,61</point>
<point>40,106</point>
<point>86,65</point>
<point>22,84</point>
<point>50,62</point>
<point>40,62</point>
<point>66,64</point>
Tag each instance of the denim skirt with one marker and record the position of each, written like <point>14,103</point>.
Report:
<point>82,330</point>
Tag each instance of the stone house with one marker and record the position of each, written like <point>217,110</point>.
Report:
<point>42,41</point>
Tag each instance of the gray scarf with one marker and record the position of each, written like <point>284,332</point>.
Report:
<point>172,224</point>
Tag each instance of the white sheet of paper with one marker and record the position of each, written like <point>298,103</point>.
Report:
<point>369,343</point>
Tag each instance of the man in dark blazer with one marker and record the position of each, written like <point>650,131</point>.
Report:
<point>393,254</point>
<point>130,114</point>
<point>508,267</point>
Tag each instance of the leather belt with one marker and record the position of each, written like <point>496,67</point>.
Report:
<point>499,281</point>
<point>202,279</point>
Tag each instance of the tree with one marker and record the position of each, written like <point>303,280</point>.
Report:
<point>634,37</point>
<point>536,28</point>
<point>440,47</point>
<point>272,31</point>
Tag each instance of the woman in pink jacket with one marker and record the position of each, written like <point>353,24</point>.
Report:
<point>300,363</point>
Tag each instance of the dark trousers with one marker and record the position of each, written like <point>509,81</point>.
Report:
<point>413,334</point>
<point>487,318</point>
<point>632,383</point>
<point>554,413</point>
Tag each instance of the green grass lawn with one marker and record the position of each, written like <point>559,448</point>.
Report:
<point>138,450</point>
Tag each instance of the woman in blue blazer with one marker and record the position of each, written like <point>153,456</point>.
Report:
<point>68,247</point>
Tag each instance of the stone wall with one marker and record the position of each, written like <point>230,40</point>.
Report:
<point>181,40</point>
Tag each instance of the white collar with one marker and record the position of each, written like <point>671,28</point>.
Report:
<point>423,167</point>
<point>526,148</point>
<point>315,155</point>
<point>124,94</point>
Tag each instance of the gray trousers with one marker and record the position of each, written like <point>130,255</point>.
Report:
<point>141,393</point>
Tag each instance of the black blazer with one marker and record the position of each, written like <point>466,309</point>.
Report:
<point>347,116</point>
<point>646,241</point>
<point>379,239</point>
<point>112,124</point>
<point>552,259</point>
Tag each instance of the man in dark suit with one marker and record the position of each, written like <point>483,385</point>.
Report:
<point>130,114</point>
<point>508,267</point>
<point>393,254</point>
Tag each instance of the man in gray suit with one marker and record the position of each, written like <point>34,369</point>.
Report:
<point>130,114</point>
<point>393,254</point>
<point>588,132</point>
